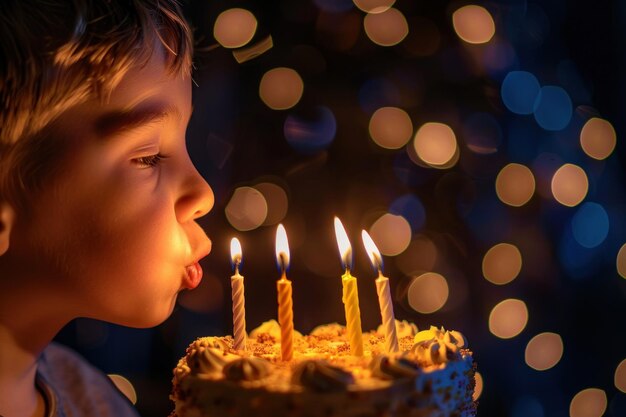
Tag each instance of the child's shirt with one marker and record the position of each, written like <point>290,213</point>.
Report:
<point>72,387</point>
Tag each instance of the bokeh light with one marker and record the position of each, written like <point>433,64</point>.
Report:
<point>590,225</point>
<point>387,28</point>
<point>311,131</point>
<point>391,233</point>
<point>473,24</point>
<point>277,202</point>
<point>590,402</point>
<point>390,127</point>
<point>508,318</point>
<point>620,262</point>
<point>428,293</point>
<point>125,387</point>
<point>234,28</point>
<point>544,351</point>
<point>374,6</point>
<point>411,209</point>
<point>515,185</point>
<point>421,255</point>
<point>527,406</point>
<point>478,388</point>
<point>597,138</point>
<point>435,143</point>
<point>502,263</point>
<point>519,92</point>
<point>246,209</point>
<point>569,185</point>
<point>620,376</point>
<point>553,108</point>
<point>281,88</point>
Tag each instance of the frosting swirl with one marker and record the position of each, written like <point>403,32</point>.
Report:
<point>403,328</point>
<point>246,369</point>
<point>320,376</point>
<point>437,346</point>
<point>393,367</point>
<point>271,328</point>
<point>208,360</point>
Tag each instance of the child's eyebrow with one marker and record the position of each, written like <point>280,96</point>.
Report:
<point>116,122</point>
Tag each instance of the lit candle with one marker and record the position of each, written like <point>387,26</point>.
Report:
<point>384,295</point>
<point>350,292</point>
<point>285,303</point>
<point>239,308</point>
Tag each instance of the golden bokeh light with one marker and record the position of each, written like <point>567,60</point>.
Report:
<point>390,127</point>
<point>569,185</point>
<point>387,28</point>
<point>621,261</point>
<point>391,233</point>
<point>502,263</point>
<point>125,387</point>
<point>473,24</point>
<point>421,255</point>
<point>598,138</point>
<point>508,318</point>
<point>435,144</point>
<point>247,209</point>
<point>234,28</point>
<point>281,88</point>
<point>478,389</point>
<point>544,351</point>
<point>428,293</point>
<point>374,6</point>
<point>277,202</point>
<point>620,376</point>
<point>590,402</point>
<point>515,185</point>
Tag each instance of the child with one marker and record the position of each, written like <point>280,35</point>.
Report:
<point>98,196</point>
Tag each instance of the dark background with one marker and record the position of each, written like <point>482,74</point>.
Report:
<point>235,139</point>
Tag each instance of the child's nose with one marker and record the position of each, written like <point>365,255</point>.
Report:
<point>197,198</point>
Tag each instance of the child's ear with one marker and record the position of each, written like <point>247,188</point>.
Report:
<point>7,216</point>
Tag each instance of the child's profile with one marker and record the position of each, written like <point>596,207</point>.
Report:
<point>98,195</point>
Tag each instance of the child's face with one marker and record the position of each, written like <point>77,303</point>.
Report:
<point>115,238</point>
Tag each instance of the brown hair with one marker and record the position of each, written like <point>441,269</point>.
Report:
<point>55,54</point>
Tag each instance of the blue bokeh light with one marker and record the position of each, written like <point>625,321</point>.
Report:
<point>411,208</point>
<point>527,406</point>
<point>378,92</point>
<point>312,132</point>
<point>519,92</point>
<point>553,108</point>
<point>590,225</point>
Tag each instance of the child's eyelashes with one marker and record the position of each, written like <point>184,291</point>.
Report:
<point>149,161</point>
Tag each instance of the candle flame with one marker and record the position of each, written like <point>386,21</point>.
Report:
<point>282,248</point>
<point>345,249</point>
<point>372,251</point>
<point>235,252</point>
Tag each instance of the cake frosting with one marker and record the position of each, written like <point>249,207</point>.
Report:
<point>431,375</point>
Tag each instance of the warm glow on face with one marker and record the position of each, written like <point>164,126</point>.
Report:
<point>620,376</point>
<point>390,127</point>
<point>234,28</point>
<point>374,6</point>
<point>428,293</point>
<point>502,263</point>
<point>544,351</point>
<point>515,185</point>
<point>247,209</point>
<point>590,402</point>
<point>598,138</point>
<point>281,88</point>
<point>125,386</point>
<point>282,247</point>
<point>345,249</point>
<point>393,234</point>
<point>235,251</point>
<point>473,24</point>
<point>387,28</point>
<point>569,185</point>
<point>372,250</point>
<point>435,144</point>
<point>508,318</point>
<point>621,261</point>
<point>478,389</point>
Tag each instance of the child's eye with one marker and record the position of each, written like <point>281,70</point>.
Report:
<point>149,161</point>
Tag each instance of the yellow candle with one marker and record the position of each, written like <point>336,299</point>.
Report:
<point>285,302</point>
<point>384,295</point>
<point>239,309</point>
<point>350,292</point>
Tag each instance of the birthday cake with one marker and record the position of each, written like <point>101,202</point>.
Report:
<point>431,375</point>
